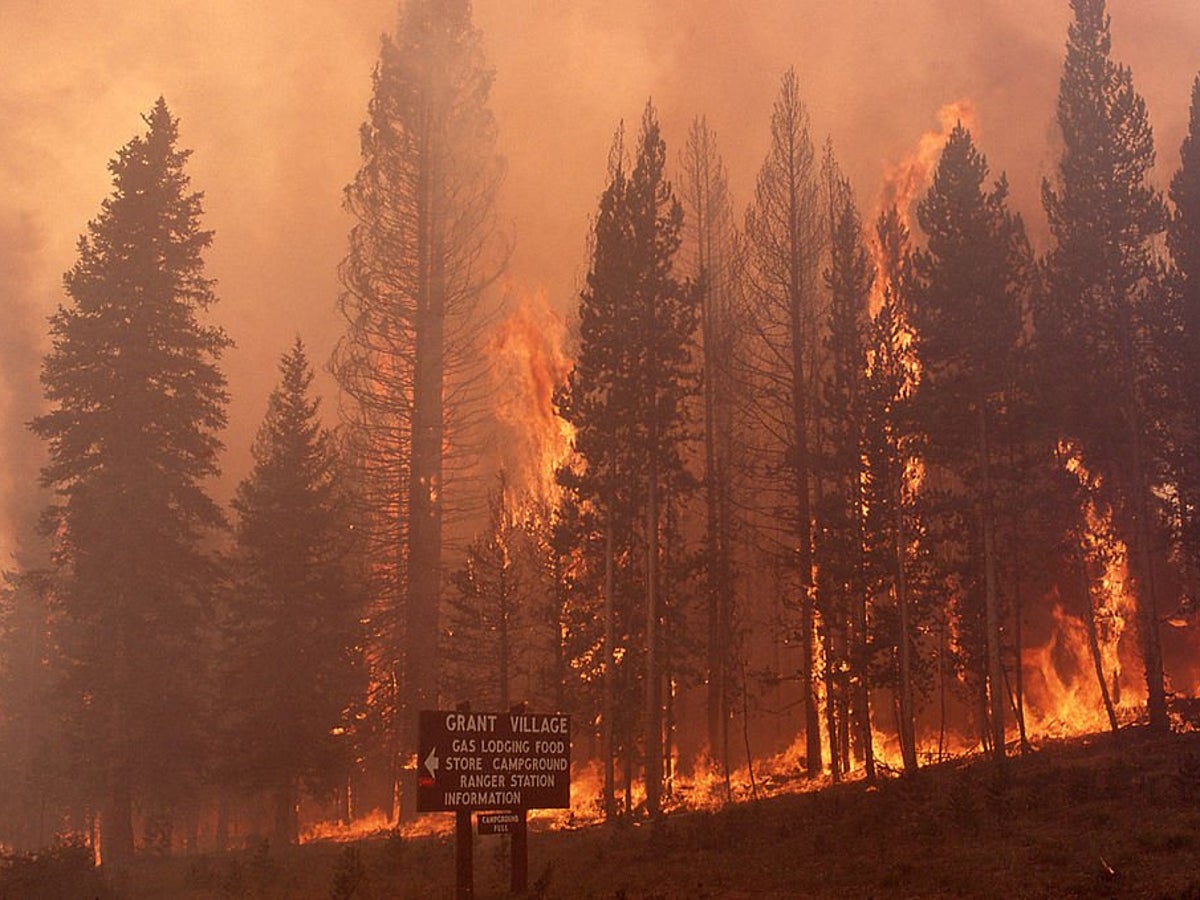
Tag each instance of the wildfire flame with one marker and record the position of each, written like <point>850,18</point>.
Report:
<point>1065,695</point>
<point>903,181</point>
<point>528,364</point>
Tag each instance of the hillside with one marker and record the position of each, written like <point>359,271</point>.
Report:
<point>1091,817</point>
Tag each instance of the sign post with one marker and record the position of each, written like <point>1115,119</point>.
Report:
<point>504,763</point>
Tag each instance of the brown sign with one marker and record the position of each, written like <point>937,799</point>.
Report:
<point>496,761</point>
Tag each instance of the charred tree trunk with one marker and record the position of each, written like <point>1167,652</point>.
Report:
<point>991,595</point>
<point>610,674</point>
<point>1094,646</point>
<point>1156,696</point>
<point>907,729</point>
<point>287,825</point>
<point>653,765</point>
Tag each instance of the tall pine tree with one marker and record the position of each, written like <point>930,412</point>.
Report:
<point>293,666</point>
<point>784,246</point>
<point>626,398</point>
<point>966,314</point>
<point>137,402</point>
<point>422,252</point>
<point>1099,321</point>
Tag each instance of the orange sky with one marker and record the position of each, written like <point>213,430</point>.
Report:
<point>270,96</point>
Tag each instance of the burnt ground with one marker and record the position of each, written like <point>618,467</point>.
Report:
<point>1088,818</point>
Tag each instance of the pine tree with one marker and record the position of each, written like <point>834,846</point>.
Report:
<point>1183,239</point>
<point>713,263</point>
<point>891,453</point>
<point>293,640</point>
<point>422,253</point>
<point>966,317</point>
<point>1098,322</point>
<point>137,401</point>
<point>784,247</point>
<point>840,542</point>
<point>627,398</point>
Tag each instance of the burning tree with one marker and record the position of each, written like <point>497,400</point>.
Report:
<point>137,401</point>
<point>292,664</point>
<point>966,313</point>
<point>897,561</point>
<point>1099,320</point>
<point>843,594</point>
<point>421,255</point>
<point>626,398</point>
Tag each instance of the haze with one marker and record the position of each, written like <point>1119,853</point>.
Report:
<point>270,96</point>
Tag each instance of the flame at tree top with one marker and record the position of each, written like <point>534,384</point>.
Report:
<point>903,181</point>
<point>529,364</point>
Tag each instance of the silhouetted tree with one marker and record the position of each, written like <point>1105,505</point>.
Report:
<point>842,591</point>
<point>966,318</point>
<point>1098,319</point>
<point>137,400</point>
<point>892,455</point>
<point>626,398</point>
<point>293,649</point>
<point>784,246</point>
<point>710,249</point>
<point>1183,239</point>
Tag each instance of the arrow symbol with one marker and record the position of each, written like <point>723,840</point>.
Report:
<point>431,763</point>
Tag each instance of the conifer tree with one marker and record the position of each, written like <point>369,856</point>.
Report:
<point>712,262</point>
<point>423,251</point>
<point>137,401</point>
<point>1098,321</point>
<point>891,453</point>
<point>784,247</point>
<point>842,589</point>
<point>966,318</point>
<point>293,666</point>
<point>1183,239</point>
<point>627,398</point>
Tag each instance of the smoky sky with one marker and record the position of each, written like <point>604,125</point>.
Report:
<point>270,96</point>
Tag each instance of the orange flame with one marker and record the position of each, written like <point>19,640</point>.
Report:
<point>1065,696</point>
<point>904,180</point>
<point>529,364</point>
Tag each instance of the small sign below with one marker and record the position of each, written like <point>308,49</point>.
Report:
<point>498,822</point>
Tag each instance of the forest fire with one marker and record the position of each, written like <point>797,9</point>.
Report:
<point>1081,679</point>
<point>781,512</point>
<point>528,364</point>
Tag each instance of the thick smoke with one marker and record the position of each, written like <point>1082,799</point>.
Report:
<point>20,355</point>
<point>271,94</point>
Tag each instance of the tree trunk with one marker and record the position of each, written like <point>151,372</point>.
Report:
<point>116,826</point>
<point>1094,647</point>
<point>991,595</point>
<point>422,664</point>
<point>653,700</point>
<point>907,712</point>
<point>610,674</point>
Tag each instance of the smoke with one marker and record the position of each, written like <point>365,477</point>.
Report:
<point>270,96</point>
<point>20,354</point>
